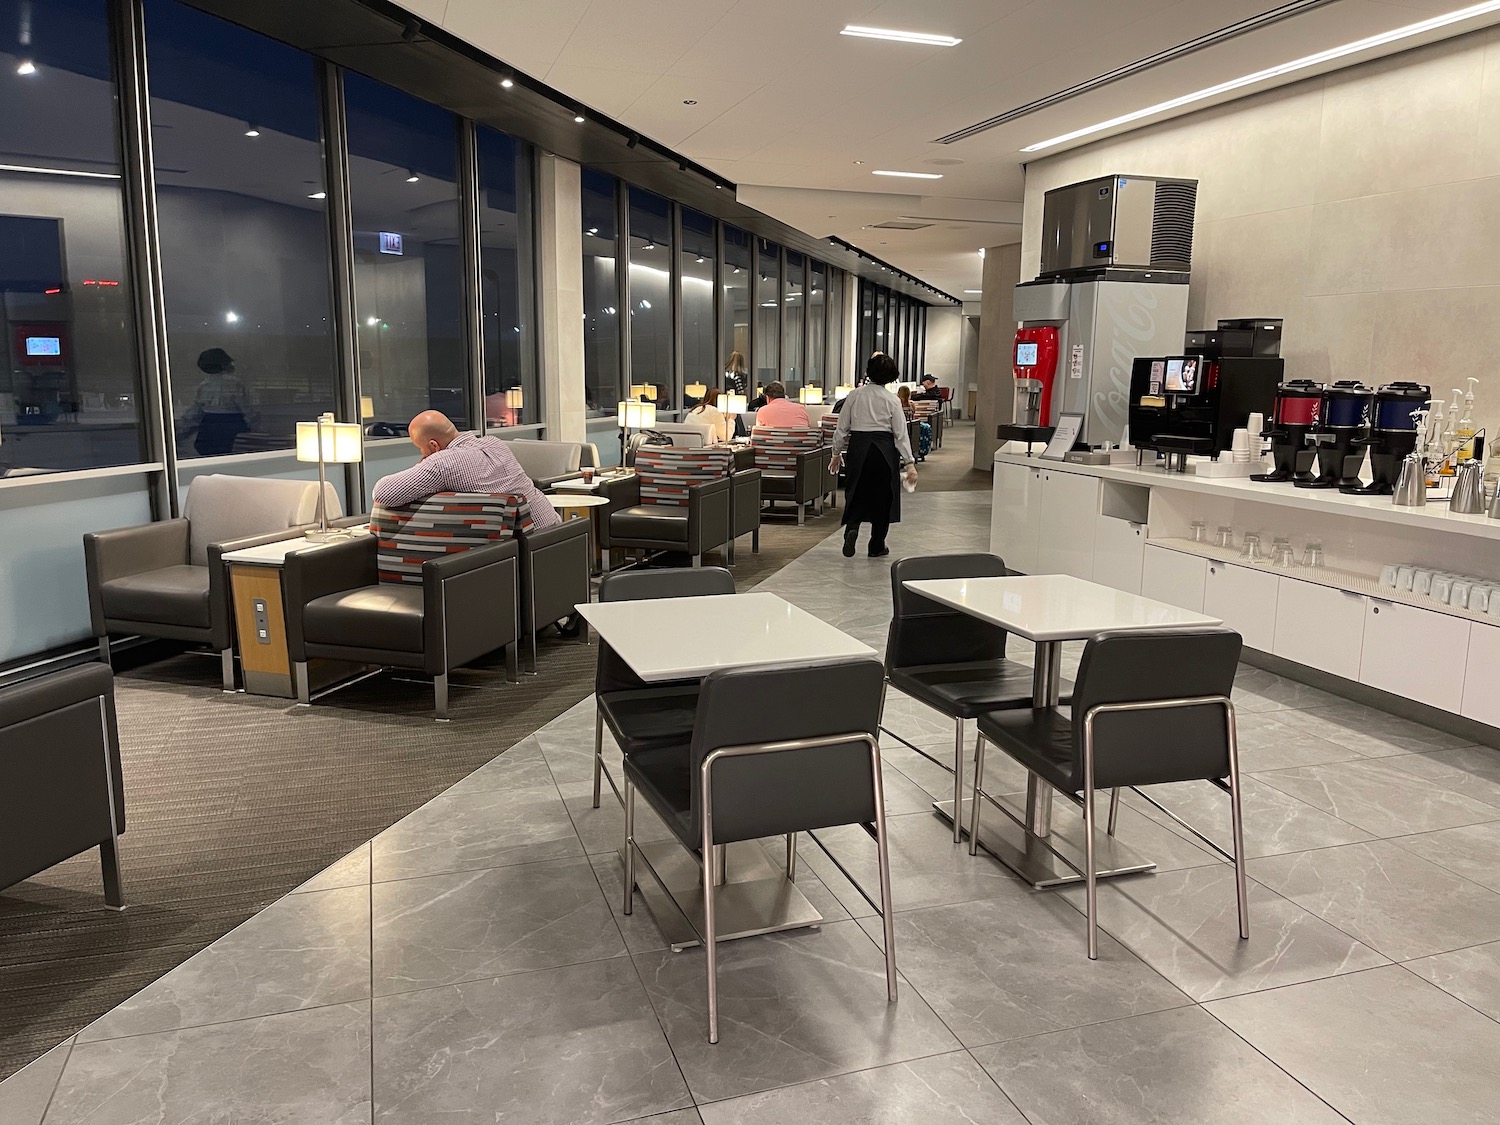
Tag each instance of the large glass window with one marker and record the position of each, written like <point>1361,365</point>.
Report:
<point>601,317</point>
<point>793,317</point>
<point>817,321</point>
<point>69,384</point>
<point>511,395</point>
<point>767,312</point>
<point>408,254</point>
<point>651,339</point>
<point>735,275</point>
<point>238,147</point>
<point>866,344</point>
<point>838,363</point>
<point>697,265</point>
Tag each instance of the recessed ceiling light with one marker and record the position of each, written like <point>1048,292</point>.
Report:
<point>593,230</point>
<point>1303,63</point>
<point>859,162</point>
<point>412,177</point>
<point>921,37</point>
<point>578,117</point>
<point>507,83</point>
<point>232,317</point>
<point>689,101</point>
<point>973,290</point>
<point>252,132</point>
<point>318,195</point>
<point>908,175</point>
<point>26,67</point>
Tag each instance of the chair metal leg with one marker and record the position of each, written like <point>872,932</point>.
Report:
<point>104,651</point>
<point>299,682</point>
<point>883,863</point>
<point>801,514</point>
<point>721,872</point>
<point>958,781</point>
<point>1114,810</point>
<point>755,542</point>
<point>710,945</point>
<point>1090,878</point>
<point>226,669</point>
<point>629,847</point>
<point>729,551</point>
<point>598,752</point>
<point>697,561</point>
<point>1238,826</point>
<point>791,857</point>
<point>109,862</point>
<point>440,696</point>
<point>978,792</point>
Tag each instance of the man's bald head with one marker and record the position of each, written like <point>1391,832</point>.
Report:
<point>431,431</point>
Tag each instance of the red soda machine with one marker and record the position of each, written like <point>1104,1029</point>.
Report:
<point>1035,367</point>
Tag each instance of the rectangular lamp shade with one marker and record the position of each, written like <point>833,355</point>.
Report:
<point>643,390</point>
<point>513,398</point>
<point>341,442</point>
<point>696,390</point>
<point>366,406</point>
<point>842,391</point>
<point>732,403</point>
<point>812,396</point>
<point>636,415</point>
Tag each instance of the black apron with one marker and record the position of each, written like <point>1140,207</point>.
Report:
<point>872,469</point>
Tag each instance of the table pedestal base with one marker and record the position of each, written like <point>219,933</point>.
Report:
<point>1031,859</point>
<point>756,897</point>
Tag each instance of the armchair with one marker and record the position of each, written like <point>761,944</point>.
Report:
<point>744,509</point>
<point>677,500</point>
<point>832,481</point>
<point>436,588</point>
<point>555,571</point>
<point>789,461</point>
<point>168,580</point>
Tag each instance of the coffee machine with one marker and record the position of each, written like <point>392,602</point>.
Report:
<point>1297,413</point>
<point>1344,419</point>
<point>1194,403</point>
<point>1392,435</point>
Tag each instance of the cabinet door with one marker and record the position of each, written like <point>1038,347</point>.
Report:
<point>1173,577</point>
<point>1416,653</point>
<point>1119,549</point>
<point>1482,675</point>
<point>1070,513</point>
<point>1245,599</point>
<point>1319,626</point>
<point>1016,517</point>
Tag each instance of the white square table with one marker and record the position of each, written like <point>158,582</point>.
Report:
<point>1049,609</point>
<point>755,895</point>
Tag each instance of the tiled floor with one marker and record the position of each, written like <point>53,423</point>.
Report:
<point>471,965</point>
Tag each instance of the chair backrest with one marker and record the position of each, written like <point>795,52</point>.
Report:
<point>827,424</point>
<point>687,435</point>
<point>1151,747</point>
<point>612,673</point>
<point>771,794</point>
<point>667,472</point>
<point>816,414</point>
<point>442,525</point>
<point>220,508</point>
<point>546,460</point>
<point>924,632</point>
<point>778,447</point>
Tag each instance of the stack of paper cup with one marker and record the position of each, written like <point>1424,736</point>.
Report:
<point>1240,446</point>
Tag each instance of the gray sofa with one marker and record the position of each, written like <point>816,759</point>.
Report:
<point>63,791</point>
<point>547,462</point>
<point>168,579</point>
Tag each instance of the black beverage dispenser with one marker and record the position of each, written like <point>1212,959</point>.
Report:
<point>1392,435</point>
<point>1299,406</point>
<point>1344,419</point>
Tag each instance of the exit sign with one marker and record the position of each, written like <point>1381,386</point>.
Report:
<point>390,243</point>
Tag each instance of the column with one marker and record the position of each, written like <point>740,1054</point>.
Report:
<point>559,253</point>
<point>997,333</point>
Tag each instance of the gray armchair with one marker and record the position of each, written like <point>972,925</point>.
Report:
<point>168,579</point>
<point>677,500</point>
<point>791,463</point>
<point>547,462</point>
<point>63,791</point>
<point>744,509</point>
<point>555,571</point>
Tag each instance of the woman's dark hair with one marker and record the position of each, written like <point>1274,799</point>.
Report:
<point>710,398</point>
<point>881,368</point>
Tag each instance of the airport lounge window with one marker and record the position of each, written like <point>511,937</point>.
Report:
<point>651,339</point>
<point>817,321</point>
<point>735,307</point>
<point>408,255</point>
<point>767,313</point>
<point>70,385</point>
<point>696,261</point>
<point>601,294</point>
<point>237,144</point>
<point>793,317</point>
<point>511,395</point>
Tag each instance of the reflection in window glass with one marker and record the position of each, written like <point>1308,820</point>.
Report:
<point>767,312</point>
<point>237,142</point>
<point>408,257</point>
<point>866,343</point>
<point>837,364</point>
<point>510,388</point>
<point>735,277</point>
<point>793,315</point>
<point>697,265</point>
<point>651,340</point>
<point>601,319</point>
<point>817,312</point>
<point>69,385</point>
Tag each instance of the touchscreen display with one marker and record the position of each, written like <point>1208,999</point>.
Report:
<point>43,345</point>
<point>1025,355</point>
<point>1182,376</point>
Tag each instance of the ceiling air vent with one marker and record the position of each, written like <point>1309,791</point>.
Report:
<point>901,224</point>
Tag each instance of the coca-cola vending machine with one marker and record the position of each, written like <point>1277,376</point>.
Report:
<point>1035,367</point>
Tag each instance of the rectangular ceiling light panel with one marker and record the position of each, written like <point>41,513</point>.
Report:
<point>919,37</point>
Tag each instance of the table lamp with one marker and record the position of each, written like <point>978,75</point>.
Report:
<point>366,407</point>
<point>812,395</point>
<point>732,404</point>
<point>633,415</point>
<point>841,392</point>
<point>513,402</point>
<point>324,441</point>
<point>695,390</point>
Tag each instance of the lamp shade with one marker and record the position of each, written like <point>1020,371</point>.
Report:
<point>513,398</point>
<point>638,390</point>
<point>366,406</point>
<point>696,390</point>
<point>636,415</point>
<point>812,395</point>
<point>340,444</point>
<point>732,403</point>
<point>842,391</point>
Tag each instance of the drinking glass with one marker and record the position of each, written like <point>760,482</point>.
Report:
<point>1312,556</point>
<point>1281,551</point>
<point>1251,550</point>
<point>1226,536</point>
<point>1199,530</point>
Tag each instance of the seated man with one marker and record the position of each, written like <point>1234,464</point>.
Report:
<point>929,389</point>
<point>780,410</point>
<point>461,462</point>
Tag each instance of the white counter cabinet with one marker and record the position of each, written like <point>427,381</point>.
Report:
<point>1415,652</point>
<point>1482,675</point>
<point>1062,541</point>
<point>1174,577</point>
<point>1319,626</point>
<point>1246,600</point>
<point>1016,517</point>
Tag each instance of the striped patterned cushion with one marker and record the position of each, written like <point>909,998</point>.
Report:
<point>828,423</point>
<point>667,471</point>
<point>776,448</point>
<point>444,524</point>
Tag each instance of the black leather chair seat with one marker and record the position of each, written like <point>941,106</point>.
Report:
<point>172,595</point>
<point>650,521</point>
<point>387,616</point>
<point>1041,740</point>
<point>641,720</point>
<point>664,776</point>
<point>777,484</point>
<point>970,689</point>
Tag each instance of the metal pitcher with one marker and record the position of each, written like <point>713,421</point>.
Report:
<point>1411,485</point>
<point>1468,489</point>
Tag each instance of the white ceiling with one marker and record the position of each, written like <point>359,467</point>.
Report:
<point>799,116</point>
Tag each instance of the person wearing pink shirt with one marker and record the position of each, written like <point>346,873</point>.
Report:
<point>779,410</point>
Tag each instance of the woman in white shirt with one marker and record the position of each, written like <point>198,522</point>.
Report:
<point>707,413</point>
<point>872,435</point>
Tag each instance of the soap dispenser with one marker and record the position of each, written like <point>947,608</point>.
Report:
<point>1464,432</point>
<point>1450,435</point>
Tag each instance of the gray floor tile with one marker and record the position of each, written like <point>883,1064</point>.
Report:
<point>1180,1067</point>
<point>575,1045</point>
<point>1275,822</point>
<point>520,767</point>
<point>676,1117</point>
<point>1185,925</point>
<point>793,1007</point>
<point>25,1095</point>
<point>1382,1047</point>
<point>1372,732</point>
<point>468,831</point>
<point>1391,900</point>
<point>1473,771</point>
<point>1004,970</point>
<point>303,951</point>
<point>296,1067</point>
<point>1379,798</point>
<point>952,1089</point>
<point>1258,690</point>
<point>1472,851</point>
<point>1473,975</point>
<point>1275,740</point>
<point>351,871</point>
<point>463,926</point>
<point>602,830</point>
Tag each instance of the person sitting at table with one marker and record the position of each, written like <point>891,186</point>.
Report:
<point>461,462</point>
<point>929,389</point>
<point>707,413</point>
<point>780,411</point>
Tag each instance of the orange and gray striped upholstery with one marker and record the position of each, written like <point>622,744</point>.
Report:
<point>441,525</point>
<point>776,448</point>
<point>827,424</point>
<point>667,471</point>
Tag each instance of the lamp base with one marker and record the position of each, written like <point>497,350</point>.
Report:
<point>331,535</point>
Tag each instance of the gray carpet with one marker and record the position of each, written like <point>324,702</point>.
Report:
<point>234,800</point>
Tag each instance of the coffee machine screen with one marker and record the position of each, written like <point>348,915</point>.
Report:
<point>1025,354</point>
<point>1182,376</point>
